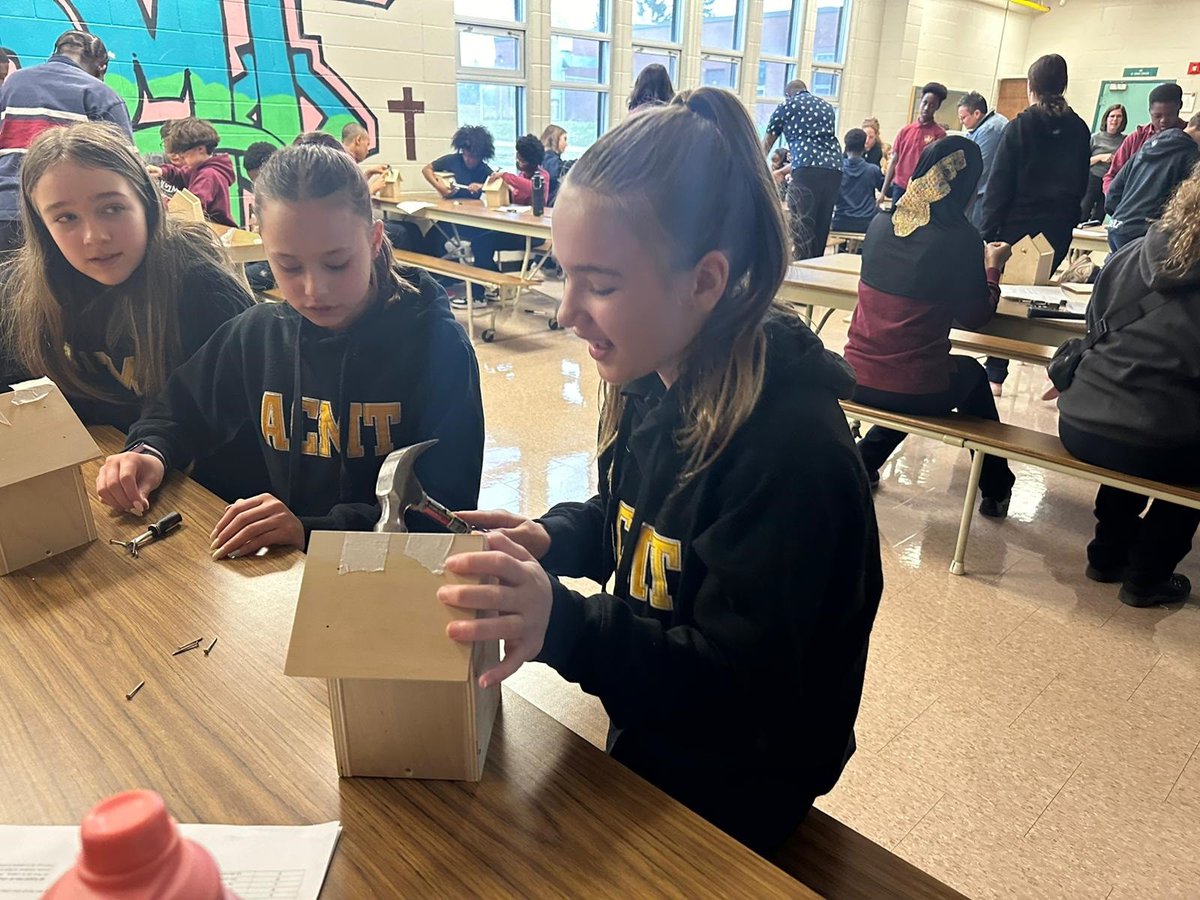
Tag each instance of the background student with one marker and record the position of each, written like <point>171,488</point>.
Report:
<point>554,140</point>
<point>732,510</point>
<point>876,151</point>
<point>924,269</point>
<point>912,141</point>
<point>58,92</point>
<point>857,203</point>
<point>983,127</point>
<point>1142,188</point>
<point>1165,102</point>
<point>1040,174</point>
<point>109,295</point>
<point>473,147</point>
<point>258,274</point>
<point>201,170</point>
<point>807,122</point>
<point>1134,403</point>
<point>1104,146</point>
<point>353,366</point>
<point>652,88</point>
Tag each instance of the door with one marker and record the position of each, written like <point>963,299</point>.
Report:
<point>1012,97</point>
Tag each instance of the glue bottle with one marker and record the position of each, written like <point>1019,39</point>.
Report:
<point>132,850</point>
<point>539,193</point>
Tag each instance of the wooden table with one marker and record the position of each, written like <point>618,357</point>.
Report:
<point>228,738</point>
<point>474,214</point>
<point>832,282</point>
<point>1089,240</point>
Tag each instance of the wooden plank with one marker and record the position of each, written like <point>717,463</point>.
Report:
<point>1021,351</point>
<point>230,738</point>
<point>839,863</point>
<point>454,269</point>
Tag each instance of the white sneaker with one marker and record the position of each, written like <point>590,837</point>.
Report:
<point>461,303</point>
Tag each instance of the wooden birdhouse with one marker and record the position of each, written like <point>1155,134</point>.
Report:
<point>186,207</point>
<point>447,179</point>
<point>404,698</point>
<point>496,194</point>
<point>393,185</point>
<point>1032,262</point>
<point>44,506</point>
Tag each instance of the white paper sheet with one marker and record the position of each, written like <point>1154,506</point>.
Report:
<point>1051,293</point>
<point>412,207</point>
<point>257,862</point>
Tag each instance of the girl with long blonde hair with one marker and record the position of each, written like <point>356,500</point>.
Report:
<point>108,294</point>
<point>733,510</point>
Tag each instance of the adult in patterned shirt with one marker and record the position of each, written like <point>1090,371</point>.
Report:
<point>808,124</point>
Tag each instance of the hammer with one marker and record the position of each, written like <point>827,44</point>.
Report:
<point>399,490</point>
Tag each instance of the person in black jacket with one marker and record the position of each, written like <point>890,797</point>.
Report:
<point>554,139</point>
<point>1040,174</point>
<point>733,510</point>
<point>1134,403</point>
<point>355,364</point>
<point>1144,185</point>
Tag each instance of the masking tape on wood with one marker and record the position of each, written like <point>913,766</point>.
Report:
<point>364,552</point>
<point>430,550</point>
<point>31,391</point>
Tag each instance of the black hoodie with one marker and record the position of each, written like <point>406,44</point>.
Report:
<point>1142,188</point>
<point>401,374</point>
<point>730,658</point>
<point>1140,385</point>
<point>1038,178</point>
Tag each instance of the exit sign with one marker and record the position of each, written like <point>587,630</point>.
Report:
<point>1141,72</point>
<point>1194,68</point>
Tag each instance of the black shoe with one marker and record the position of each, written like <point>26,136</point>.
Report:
<point>1105,576</point>
<point>995,507</point>
<point>1175,589</point>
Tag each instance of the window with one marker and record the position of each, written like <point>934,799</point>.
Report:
<point>719,72</point>
<point>827,83</point>
<point>584,115</point>
<point>722,26</point>
<point>644,56</point>
<point>829,41</point>
<point>491,69</point>
<point>777,61</point>
<point>580,43</point>
<point>656,20</point>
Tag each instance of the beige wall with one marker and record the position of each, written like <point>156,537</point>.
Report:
<point>1099,38</point>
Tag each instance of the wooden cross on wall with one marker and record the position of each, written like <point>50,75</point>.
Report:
<point>409,108</point>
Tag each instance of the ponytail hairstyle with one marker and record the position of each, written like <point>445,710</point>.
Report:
<point>551,137</point>
<point>1181,223</point>
<point>1048,82</point>
<point>643,171</point>
<point>41,284</point>
<point>305,171</point>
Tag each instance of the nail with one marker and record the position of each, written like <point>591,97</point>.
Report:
<point>133,693</point>
<point>210,646</point>
<point>186,647</point>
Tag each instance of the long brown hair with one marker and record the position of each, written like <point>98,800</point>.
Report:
<point>646,169</point>
<point>1048,82</point>
<point>1181,222</point>
<point>145,308</point>
<point>551,136</point>
<point>314,172</point>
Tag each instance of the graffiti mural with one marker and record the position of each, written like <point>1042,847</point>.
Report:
<point>247,66</point>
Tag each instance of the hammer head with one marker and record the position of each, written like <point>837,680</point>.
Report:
<point>397,486</point>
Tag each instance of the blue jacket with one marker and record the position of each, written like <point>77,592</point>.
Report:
<point>860,181</point>
<point>33,100</point>
<point>987,136</point>
<point>1142,188</point>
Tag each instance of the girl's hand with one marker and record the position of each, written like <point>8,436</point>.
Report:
<point>996,254</point>
<point>527,533</point>
<point>126,480</point>
<point>520,603</point>
<point>249,525</point>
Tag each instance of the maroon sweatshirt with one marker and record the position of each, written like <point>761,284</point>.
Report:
<point>902,345</point>
<point>210,181</point>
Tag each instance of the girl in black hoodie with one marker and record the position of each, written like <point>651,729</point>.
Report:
<point>355,365</point>
<point>733,510</point>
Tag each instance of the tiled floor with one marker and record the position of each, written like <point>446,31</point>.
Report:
<point>1022,733</point>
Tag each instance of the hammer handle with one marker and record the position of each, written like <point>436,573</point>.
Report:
<point>431,509</point>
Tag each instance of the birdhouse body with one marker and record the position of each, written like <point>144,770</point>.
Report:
<point>404,699</point>
<point>496,194</point>
<point>186,207</point>
<point>1032,262</point>
<point>393,184</point>
<point>44,508</point>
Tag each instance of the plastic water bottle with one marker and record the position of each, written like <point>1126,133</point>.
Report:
<point>132,850</point>
<point>539,194</point>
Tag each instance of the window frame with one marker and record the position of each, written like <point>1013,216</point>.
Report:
<point>674,54</point>
<point>839,62</point>
<point>603,87</point>
<point>517,79</point>
<point>737,60</point>
<point>482,73</point>
<point>792,61</point>
<point>739,33</point>
<point>676,41</point>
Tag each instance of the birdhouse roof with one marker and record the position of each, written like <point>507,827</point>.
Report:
<point>368,608</point>
<point>39,433</point>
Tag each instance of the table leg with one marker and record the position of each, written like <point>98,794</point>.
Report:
<point>964,528</point>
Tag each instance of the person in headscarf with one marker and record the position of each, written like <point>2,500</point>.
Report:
<point>925,270</point>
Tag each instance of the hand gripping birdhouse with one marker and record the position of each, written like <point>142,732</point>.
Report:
<point>44,506</point>
<point>404,698</point>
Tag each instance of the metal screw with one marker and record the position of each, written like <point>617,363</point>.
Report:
<point>133,693</point>
<point>210,646</point>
